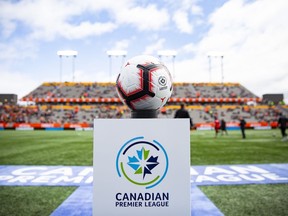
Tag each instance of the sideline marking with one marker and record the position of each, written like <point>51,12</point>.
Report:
<point>202,205</point>
<point>80,201</point>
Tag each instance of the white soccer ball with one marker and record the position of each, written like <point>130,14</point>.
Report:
<point>144,83</point>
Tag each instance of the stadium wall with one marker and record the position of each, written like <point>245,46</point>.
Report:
<point>85,126</point>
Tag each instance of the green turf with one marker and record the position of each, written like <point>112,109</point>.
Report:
<point>32,200</point>
<point>75,148</point>
<point>243,200</point>
<point>259,147</point>
<point>46,147</point>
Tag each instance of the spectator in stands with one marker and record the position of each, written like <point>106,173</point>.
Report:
<point>223,127</point>
<point>216,126</point>
<point>183,113</point>
<point>242,127</point>
<point>282,124</point>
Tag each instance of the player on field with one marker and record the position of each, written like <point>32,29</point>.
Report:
<point>242,127</point>
<point>217,126</point>
<point>282,124</point>
<point>223,127</point>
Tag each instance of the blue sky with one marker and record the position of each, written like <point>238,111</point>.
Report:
<point>250,35</point>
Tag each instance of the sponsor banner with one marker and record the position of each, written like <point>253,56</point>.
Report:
<point>84,129</point>
<point>142,168</point>
<point>199,126</point>
<point>232,124</point>
<point>239,174</point>
<point>204,126</point>
<point>117,100</point>
<point>48,125</point>
<point>24,128</point>
<point>74,100</point>
<point>22,125</point>
<point>236,125</point>
<point>54,129</point>
<point>263,128</point>
<point>44,125</point>
<point>88,129</point>
<point>76,125</point>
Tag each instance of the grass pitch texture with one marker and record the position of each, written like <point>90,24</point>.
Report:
<point>32,200</point>
<point>76,148</point>
<point>46,148</point>
<point>243,200</point>
<point>259,147</point>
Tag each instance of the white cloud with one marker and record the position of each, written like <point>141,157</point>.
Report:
<point>251,34</point>
<point>85,29</point>
<point>16,83</point>
<point>90,76</point>
<point>17,49</point>
<point>121,45</point>
<point>48,19</point>
<point>182,22</point>
<point>154,47</point>
<point>188,48</point>
<point>197,10</point>
<point>195,70</point>
<point>8,27</point>
<point>186,15</point>
<point>143,18</point>
<point>253,37</point>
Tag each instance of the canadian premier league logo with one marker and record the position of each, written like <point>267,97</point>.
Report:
<point>142,162</point>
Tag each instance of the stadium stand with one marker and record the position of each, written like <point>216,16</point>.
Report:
<point>73,105</point>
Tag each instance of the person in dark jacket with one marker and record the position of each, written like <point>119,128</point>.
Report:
<point>183,113</point>
<point>242,127</point>
<point>223,127</point>
<point>282,124</point>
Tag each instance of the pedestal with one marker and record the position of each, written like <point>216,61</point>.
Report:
<point>141,167</point>
<point>144,114</point>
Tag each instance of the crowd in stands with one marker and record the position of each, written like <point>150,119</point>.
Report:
<point>18,114</point>
<point>107,90</point>
<point>85,112</point>
<point>59,113</point>
<point>74,90</point>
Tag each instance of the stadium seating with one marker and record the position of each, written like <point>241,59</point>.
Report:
<point>77,103</point>
<point>107,90</point>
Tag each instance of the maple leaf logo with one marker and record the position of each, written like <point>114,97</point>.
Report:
<point>142,162</point>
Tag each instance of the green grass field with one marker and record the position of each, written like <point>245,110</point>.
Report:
<point>75,148</point>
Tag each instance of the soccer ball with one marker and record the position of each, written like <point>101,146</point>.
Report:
<point>144,83</point>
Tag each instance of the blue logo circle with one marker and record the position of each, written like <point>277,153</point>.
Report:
<point>142,162</point>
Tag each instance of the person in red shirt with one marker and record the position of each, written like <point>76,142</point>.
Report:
<point>216,126</point>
